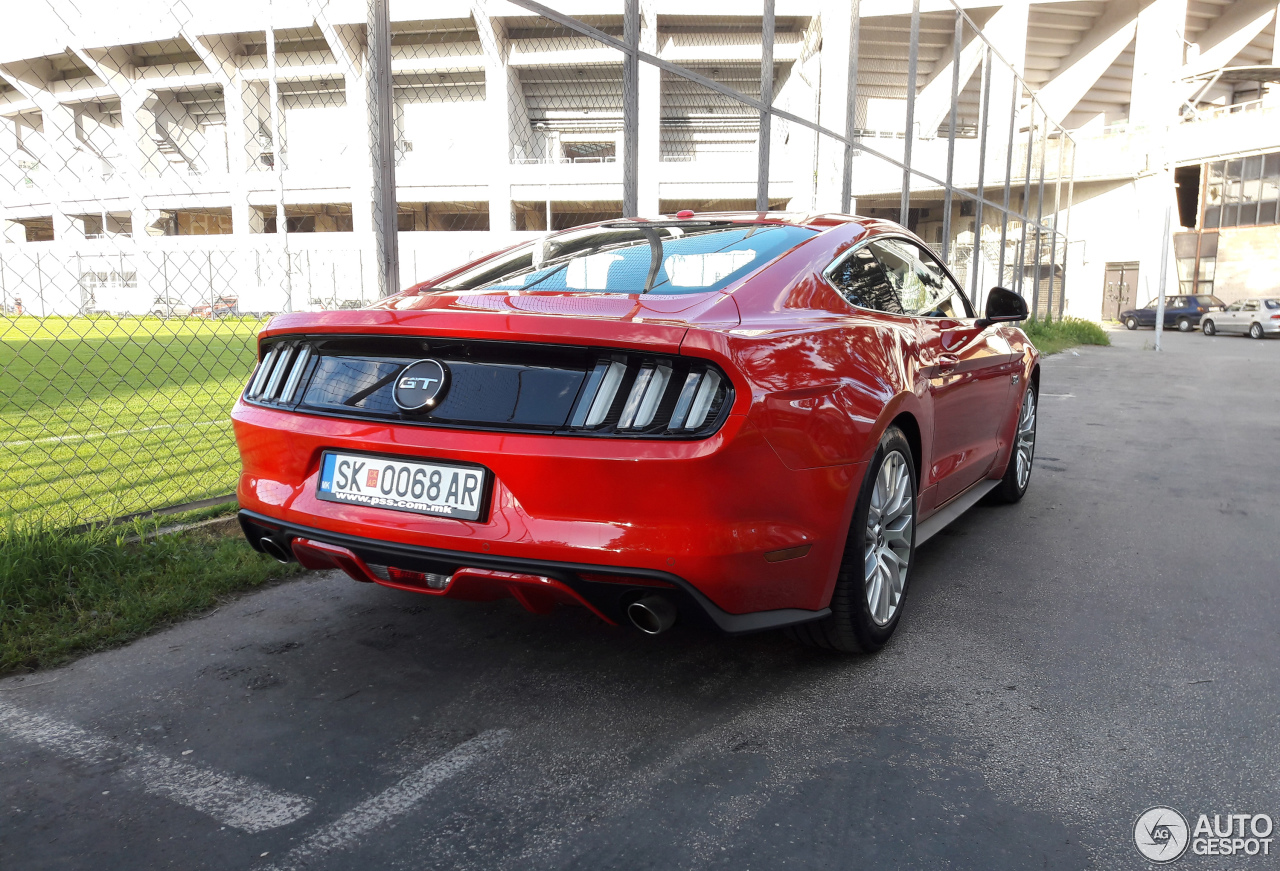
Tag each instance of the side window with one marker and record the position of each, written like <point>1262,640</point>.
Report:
<point>1251,305</point>
<point>922,285</point>
<point>864,283</point>
<point>1235,307</point>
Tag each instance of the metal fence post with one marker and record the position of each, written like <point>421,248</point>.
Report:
<point>913,60</point>
<point>277,167</point>
<point>851,106</point>
<point>766,98</point>
<point>630,108</point>
<point>382,106</point>
<point>1066,230</point>
<point>956,42</point>
<point>1164,273</point>
<point>1008,169</point>
<point>1035,300</point>
<point>1026,198</point>
<point>984,121</point>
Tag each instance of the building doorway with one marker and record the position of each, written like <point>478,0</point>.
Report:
<point>1121,289</point>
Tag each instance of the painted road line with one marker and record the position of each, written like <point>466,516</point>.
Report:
<point>230,799</point>
<point>391,803</point>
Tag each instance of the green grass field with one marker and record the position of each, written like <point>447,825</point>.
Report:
<point>102,417</point>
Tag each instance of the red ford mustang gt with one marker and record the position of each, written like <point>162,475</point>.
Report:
<point>749,420</point>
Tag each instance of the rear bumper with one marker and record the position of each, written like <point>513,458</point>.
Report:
<point>608,599</point>
<point>711,514</point>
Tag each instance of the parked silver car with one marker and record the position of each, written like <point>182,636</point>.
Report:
<point>1257,317</point>
<point>169,307</point>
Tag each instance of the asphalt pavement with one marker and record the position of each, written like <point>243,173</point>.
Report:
<point>1109,644</point>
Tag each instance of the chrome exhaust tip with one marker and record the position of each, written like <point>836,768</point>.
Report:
<point>652,615</point>
<point>275,550</point>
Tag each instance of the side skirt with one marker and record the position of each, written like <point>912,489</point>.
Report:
<point>941,518</point>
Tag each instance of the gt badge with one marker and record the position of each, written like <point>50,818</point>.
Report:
<point>421,385</point>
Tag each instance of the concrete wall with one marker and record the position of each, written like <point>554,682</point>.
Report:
<point>1248,262</point>
<point>1117,222</point>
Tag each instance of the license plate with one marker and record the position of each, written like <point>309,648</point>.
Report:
<point>439,489</point>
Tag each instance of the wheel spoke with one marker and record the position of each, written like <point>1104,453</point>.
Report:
<point>887,545</point>
<point>899,532</point>
<point>882,610</point>
<point>895,581</point>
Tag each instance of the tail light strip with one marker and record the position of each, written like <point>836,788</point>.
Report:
<point>280,372</point>
<point>625,393</point>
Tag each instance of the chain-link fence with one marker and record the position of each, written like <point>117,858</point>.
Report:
<point>165,194</point>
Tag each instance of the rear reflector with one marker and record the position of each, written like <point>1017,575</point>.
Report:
<point>777,556</point>
<point>393,575</point>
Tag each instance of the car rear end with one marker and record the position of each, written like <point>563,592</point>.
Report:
<point>579,454</point>
<point>1269,316</point>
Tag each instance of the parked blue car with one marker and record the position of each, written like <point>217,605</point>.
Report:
<point>1183,312</point>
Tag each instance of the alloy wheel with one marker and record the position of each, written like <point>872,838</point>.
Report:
<point>890,530</point>
<point>1026,439</point>
<point>1255,331</point>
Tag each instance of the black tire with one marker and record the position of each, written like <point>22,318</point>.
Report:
<point>850,628</point>
<point>1131,323</point>
<point>1012,488</point>
<point>1207,327</point>
<point>1184,325</point>
<point>1255,331</point>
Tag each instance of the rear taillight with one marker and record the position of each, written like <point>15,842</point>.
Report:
<point>279,373</point>
<point>1275,317</point>
<point>642,395</point>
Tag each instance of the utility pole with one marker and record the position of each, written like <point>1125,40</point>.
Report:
<point>1164,273</point>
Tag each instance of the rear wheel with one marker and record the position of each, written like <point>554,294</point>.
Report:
<point>1131,323</point>
<point>1184,325</point>
<point>1207,327</point>
<point>1017,475</point>
<point>871,585</point>
<point>1255,331</point>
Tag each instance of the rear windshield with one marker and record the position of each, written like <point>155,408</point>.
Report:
<point>1271,303</point>
<point>691,257</point>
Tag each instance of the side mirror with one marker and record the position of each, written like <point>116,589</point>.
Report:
<point>1003,305</point>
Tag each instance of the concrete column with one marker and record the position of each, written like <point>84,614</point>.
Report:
<point>501,88</point>
<point>234,108</point>
<point>1271,94</point>
<point>138,121</point>
<point>357,84</point>
<point>1007,31</point>
<point>834,59</point>
<point>1097,49</point>
<point>1157,63</point>
<point>650,165</point>
<point>64,163</point>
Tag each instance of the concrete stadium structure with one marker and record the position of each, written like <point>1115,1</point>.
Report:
<point>163,155</point>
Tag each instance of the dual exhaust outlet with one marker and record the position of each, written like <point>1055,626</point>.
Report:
<point>652,614</point>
